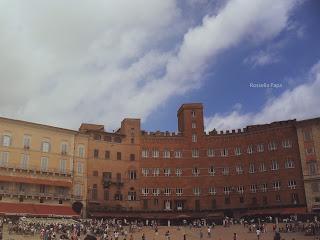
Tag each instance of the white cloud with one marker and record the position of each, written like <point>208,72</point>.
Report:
<point>66,62</point>
<point>262,58</point>
<point>301,102</point>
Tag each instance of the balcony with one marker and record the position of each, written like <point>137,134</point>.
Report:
<point>107,183</point>
<point>35,195</point>
<point>16,168</point>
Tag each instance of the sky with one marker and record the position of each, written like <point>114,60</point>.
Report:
<point>249,62</point>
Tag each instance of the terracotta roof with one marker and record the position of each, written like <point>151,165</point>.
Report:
<point>35,209</point>
<point>91,127</point>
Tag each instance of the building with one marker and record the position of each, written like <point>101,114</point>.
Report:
<point>41,171</point>
<point>113,168</point>
<point>309,143</point>
<point>256,170</point>
<point>261,169</point>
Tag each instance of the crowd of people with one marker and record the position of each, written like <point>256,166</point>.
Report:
<point>113,229</point>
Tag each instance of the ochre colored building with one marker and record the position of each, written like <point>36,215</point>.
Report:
<point>309,143</point>
<point>42,171</point>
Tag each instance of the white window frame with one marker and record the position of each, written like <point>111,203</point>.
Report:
<point>251,168</point>
<point>178,172</point>
<point>260,147</point>
<point>156,172</point>
<point>225,171</point>
<point>227,190</point>
<point>237,151</point>
<point>179,191</point>
<point>276,185</point>
<point>155,153</point>
<point>289,163</point>
<point>250,149</point>
<point>272,146</point>
<point>145,172</point>
<point>240,189</point>
<point>239,169</point>
<point>262,167</point>
<point>144,153</point>
<point>210,152</point>
<point>177,154</point>
<point>195,171</point>
<point>264,187</point>
<point>196,191</point>
<point>224,152</point>
<point>287,143</point>
<point>167,172</point>
<point>195,153</point>
<point>253,188</point>
<point>24,161</point>
<point>194,137</point>
<point>144,191</point>
<point>212,191</point>
<point>155,191</point>
<point>166,153</point>
<point>292,184</point>
<point>167,191</point>
<point>79,168</point>
<point>63,166</point>
<point>81,151</point>
<point>26,141</point>
<point>6,140</point>
<point>274,165</point>
<point>45,146</point>
<point>211,171</point>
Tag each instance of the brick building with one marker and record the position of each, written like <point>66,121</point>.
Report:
<point>250,171</point>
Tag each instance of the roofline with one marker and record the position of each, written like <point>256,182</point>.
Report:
<point>38,125</point>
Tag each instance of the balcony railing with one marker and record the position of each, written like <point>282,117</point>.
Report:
<point>32,169</point>
<point>107,182</point>
<point>34,194</point>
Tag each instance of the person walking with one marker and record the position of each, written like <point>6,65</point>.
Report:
<point>258,233</point>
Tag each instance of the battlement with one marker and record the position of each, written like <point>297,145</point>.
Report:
<point>160,134</point>
<point>252,128</point>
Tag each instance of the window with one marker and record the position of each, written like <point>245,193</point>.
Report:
<point>195,171</point>
<point>253,188</point>
<point>262,167</point>
<point>107,155</point>
<point>237,151</point>
<point>212,191</point>
<point>155,153</point>
<point>194,137</point>
<point>276,185</point>
<point>45,146</point>
<point>278,198</point>
<point>224,152</point>
<point>132,157</point>
<point>44,164</point>
<point>155,191</point>
<point>167,191</point>
<point>118,177</point>
<point>96,153</point>
<point>156,172</point>
<point>307,135</point>
<point>156,202</point>
<point>144,153</point>
<point>240,189</point>
<point>97,137</point>
<point>166,153</point>
<point>178,154</point>
<point>132,174</point>
<point>145,191</point>
<point>167,172</point>
<point>272,146</point>
<point>287,143</point>
<point>193,113</point>
<point>106,194</point>
<point>225,171</point>
<point>26,141</point>
<point>292,184</point>
<point>24,161</point>
<point>310,151</point>
<point>196,191</point>
<point>227,190</point>
<point>239,169</point>
<point>211,171</point>
<point>145,172</point>
<point>312,168</point>
<point>132,196</point>
<point>132,140</point>
<point>64,148</point>
<point>250,149</point>
<point>78,190</point>
<point>179,191</point>
<point>260,148</point>
<point>289,163</point>
<point>193,125</point>
<point>178,172</point>
<point>251,168</point>
<point>195,153</point>
<point>118,155</point>
<point>264,187</point>
<point>117,139</point>
<point>107,138</point>
<point>4,159</point>
<point>95,173</point>
<point>94,192</point>
<point>210,152</point>
<point>63,165</point>
<point>6,140</point>
<point>80,168</point>
<point>274,165</point>
<point>81,151</point>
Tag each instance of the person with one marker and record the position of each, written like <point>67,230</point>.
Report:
<point>201,234</point>
<point>235,236</point>
<point>143,237</point>
<point>258,233</point>
<point>209,232</point>
<point>184,236</point>
<point>277,235</point>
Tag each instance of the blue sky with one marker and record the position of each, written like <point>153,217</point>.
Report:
<point>64,63</point>
<point>226,80</point>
